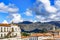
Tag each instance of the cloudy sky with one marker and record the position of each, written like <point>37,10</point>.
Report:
<point>29,10</point>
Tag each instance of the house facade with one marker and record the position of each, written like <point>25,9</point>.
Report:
<point>9,31</point>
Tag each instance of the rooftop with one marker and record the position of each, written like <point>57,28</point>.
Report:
<point>37,35</point>
<point>5,25</point>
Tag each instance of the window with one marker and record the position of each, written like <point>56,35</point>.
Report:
<point>1,29</point>
<point>16,34</point>
<point>1,35</point>
<point>12,29</point>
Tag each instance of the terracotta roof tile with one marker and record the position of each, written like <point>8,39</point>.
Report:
<point>5,25</point>
<point>57,36</point>
<point>25,36</point>
<point>37,35</point>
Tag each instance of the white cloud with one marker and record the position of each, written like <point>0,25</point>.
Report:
<point>28,12</point>
<point>12,10</point>
<point>8,9</point>
<point>45,12</point>
<point>5,22</point>
<point>46,2</point>
<point>48,7</point>
<point>52,16</point>
<point>16,18</point>
<point>3,7</point>
<point>33,20</point>
<point>40,18</point>
<point>57,4</point>
<point>51,9</point>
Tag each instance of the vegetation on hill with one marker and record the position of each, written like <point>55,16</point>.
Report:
<point>25,34</point>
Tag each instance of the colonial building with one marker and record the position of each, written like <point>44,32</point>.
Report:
<point>9,31</point>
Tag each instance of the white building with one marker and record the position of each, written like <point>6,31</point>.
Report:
<point>30,38</point>
<point>38,36</point>
<point>44,37</point>
<point>9,31</point>
<point>33,38</point>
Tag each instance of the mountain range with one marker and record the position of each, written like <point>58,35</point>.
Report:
<point>27,26</point>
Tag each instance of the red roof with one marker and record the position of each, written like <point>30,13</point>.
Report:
<point>5,25</point>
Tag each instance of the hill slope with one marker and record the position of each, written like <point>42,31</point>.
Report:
<point>38,25</point>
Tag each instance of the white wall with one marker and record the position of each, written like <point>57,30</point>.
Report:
<point>45,37</point>
<point>4,30</point>
<point>33,38</point>
<point>11,39</point>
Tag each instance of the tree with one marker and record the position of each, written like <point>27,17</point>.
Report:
<point>25,34</point>
<point>44,30</point>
